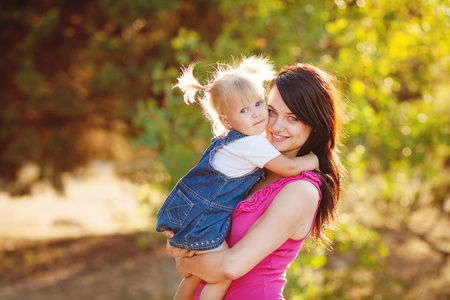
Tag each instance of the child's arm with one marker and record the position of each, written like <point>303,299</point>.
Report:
<point>287,167</point>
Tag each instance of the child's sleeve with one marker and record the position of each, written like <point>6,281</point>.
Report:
<point>260,150</point>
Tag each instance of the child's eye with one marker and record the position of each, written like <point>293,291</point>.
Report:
<point>244,110</point>
<point>259,103</point>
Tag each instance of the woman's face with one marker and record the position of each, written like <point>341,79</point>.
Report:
<point>286,133</point>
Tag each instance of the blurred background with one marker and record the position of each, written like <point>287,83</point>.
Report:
<point>93,137</point>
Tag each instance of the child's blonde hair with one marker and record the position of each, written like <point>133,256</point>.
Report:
<point>239,83</point>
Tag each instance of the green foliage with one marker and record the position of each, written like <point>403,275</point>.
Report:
<point>179,133</point>
<point>355,270</point>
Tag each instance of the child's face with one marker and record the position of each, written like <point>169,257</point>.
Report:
<point>247,118</point>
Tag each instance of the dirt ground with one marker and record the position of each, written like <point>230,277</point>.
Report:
<point>94,267</point>
<point>86,244</point>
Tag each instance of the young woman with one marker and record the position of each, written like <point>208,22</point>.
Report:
<point>271,224</point>
<point>199,207</point>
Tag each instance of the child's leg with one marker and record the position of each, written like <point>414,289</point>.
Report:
<point>215,290</point>
<point>219,289</point>
<point>187,288</point>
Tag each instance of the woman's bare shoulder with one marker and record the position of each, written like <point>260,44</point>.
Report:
<point>298,197</point>
<point>302,190</point>
<point>302,198</point>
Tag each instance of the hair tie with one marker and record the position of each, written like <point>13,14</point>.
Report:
<point>207,88</point>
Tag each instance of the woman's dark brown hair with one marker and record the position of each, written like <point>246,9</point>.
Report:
<point>312,97</point>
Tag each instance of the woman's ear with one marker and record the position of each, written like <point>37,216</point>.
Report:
<point>225,121</point>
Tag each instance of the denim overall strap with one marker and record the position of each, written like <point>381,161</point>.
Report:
<point>219,141</point>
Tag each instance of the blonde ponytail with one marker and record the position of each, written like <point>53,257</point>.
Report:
<point>188,84</point>
<point>259,67</point>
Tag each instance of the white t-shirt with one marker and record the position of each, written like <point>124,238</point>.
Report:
<point>244,155</point>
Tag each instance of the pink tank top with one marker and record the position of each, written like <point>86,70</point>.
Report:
<point>266,280</point>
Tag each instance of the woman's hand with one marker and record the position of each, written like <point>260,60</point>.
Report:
<point>176,252</point>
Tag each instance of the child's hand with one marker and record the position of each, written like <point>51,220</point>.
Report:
<point>176,252</point>
<point>314,159</point>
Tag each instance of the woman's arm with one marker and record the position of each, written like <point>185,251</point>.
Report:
<point>287,217</point>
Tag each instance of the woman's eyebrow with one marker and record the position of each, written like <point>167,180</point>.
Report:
<point>272,108</point>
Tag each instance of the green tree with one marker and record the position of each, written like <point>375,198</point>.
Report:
<point>74,73</point>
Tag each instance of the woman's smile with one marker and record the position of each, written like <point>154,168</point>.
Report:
<point>277,137</point>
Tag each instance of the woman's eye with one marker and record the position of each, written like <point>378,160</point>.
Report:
<point>244,110</point>
<point>272,112</point>
<point>293,119</point>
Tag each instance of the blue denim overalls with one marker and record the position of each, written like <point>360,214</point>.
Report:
<point>199,207</point>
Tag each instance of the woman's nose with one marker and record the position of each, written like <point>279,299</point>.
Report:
<point>278,125</point>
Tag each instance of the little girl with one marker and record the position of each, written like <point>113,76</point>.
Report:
<point>199,207</point>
